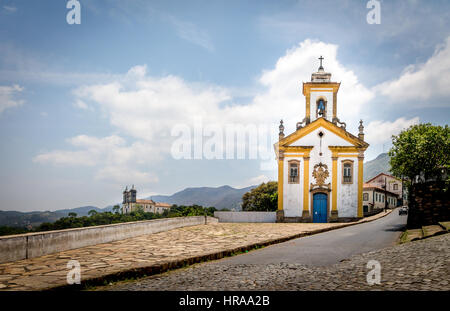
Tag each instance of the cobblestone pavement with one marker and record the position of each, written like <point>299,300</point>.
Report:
<point>143,251</point>
<point>418,265</point>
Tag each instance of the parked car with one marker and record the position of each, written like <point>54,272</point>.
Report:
<point>403,210</point>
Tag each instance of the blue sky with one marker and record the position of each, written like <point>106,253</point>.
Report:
<point>87,109</point>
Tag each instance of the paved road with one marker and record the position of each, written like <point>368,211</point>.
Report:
<point>329,247</point>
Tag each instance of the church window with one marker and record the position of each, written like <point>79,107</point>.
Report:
<point>347,172</point>
<point>321,105</point>
<point>294,166</point>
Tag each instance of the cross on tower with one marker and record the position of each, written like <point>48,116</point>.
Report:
<point>321,59</point>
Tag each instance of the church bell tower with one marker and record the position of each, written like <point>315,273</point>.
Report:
<point>321,98</point>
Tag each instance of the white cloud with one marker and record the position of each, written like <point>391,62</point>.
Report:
<point>9,9</point>
<point>113,160</point>
<point>82,105</point>
<point>125,175</point>
<point>146,108</point>
<point>190,32</point>
<point>378,132</point>
<point>426,81</point>
<point>284,96</point>
<point>7,97</point>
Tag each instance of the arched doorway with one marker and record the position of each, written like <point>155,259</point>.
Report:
<point>320,207</point>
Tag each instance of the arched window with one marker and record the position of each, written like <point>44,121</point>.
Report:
<point>321,110</point>
<point>294,171</point>
<point>347,172</point>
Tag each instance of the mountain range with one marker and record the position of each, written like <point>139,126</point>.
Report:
<point>219,197</point>
<point>378,165</point>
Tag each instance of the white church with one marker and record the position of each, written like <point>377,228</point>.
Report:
<point>320,165</point>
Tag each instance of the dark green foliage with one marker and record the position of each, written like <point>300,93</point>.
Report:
<point>5,230</point>
<point>262,198</point>
<point>193,210</point>
<point>423,150</point>
<point>96,219</point>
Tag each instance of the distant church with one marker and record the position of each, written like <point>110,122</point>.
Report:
<point>320,165</point>
<point>131,203</point>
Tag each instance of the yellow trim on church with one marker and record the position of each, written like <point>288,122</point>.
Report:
<point>329,85</point>
<point>360,186</point>
<point>306,183</point>
<point>321,122</point>
<point>280,183</point>
<point>334,173</point>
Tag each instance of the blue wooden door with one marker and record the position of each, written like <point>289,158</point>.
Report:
<point>320,207</point>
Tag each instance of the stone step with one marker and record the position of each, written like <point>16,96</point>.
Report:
<point>432,230</point>
<point>445,225</point>
<point>412,235</point>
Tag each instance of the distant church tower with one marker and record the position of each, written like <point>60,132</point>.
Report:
<point>320,165</point>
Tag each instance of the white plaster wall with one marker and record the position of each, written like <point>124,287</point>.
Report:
<point>347,199</point>
<point>329,139</point>
<point>329,98</point>
<point>292,193</point>
<point>251,217</point>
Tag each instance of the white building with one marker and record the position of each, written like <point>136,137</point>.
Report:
<point>131,203</point>
<point>320,165</point>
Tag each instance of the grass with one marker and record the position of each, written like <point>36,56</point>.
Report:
<point>404,237</point>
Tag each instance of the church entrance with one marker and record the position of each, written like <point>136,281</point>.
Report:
<point>320,207</point>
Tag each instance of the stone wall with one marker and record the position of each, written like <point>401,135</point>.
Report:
<point>246,216</point>
<point>23,246</point>
<point>428,204</point>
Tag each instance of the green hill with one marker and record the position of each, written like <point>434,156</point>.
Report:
<point>219,197</point>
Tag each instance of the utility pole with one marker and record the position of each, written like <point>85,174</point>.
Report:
<point>385,195</point>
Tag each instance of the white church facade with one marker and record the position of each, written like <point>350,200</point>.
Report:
<point>320,165</point>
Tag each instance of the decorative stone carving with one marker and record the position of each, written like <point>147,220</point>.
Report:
<point>320,173</point>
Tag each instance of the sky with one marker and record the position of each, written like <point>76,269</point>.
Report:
<point>87,109</point>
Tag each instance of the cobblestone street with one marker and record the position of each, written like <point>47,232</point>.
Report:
<point>418,265</point>
<point>151,250</point>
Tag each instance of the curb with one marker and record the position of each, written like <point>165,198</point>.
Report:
<point>181,263</point>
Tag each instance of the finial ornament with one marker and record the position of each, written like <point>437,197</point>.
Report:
<point>361,130</point>
<point>321,59</point>
<point>281,127</point>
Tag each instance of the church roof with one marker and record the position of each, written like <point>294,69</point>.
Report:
<point>368,186</point>
<point>145,201</point>
<point>322,122</point>
<point>373,178</point>
<point>161,204</point>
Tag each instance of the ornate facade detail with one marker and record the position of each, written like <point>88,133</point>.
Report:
<point>342,125</point>
<point>281,127</point>
<point>320,173</point>
<point>361,130</point>
<point>301,124</point>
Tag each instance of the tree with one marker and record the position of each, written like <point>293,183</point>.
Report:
<point>421,152</point>
<point>116,209</point>
<point>262,198</point>
<point>92,212</point>
<point>72,214</point>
